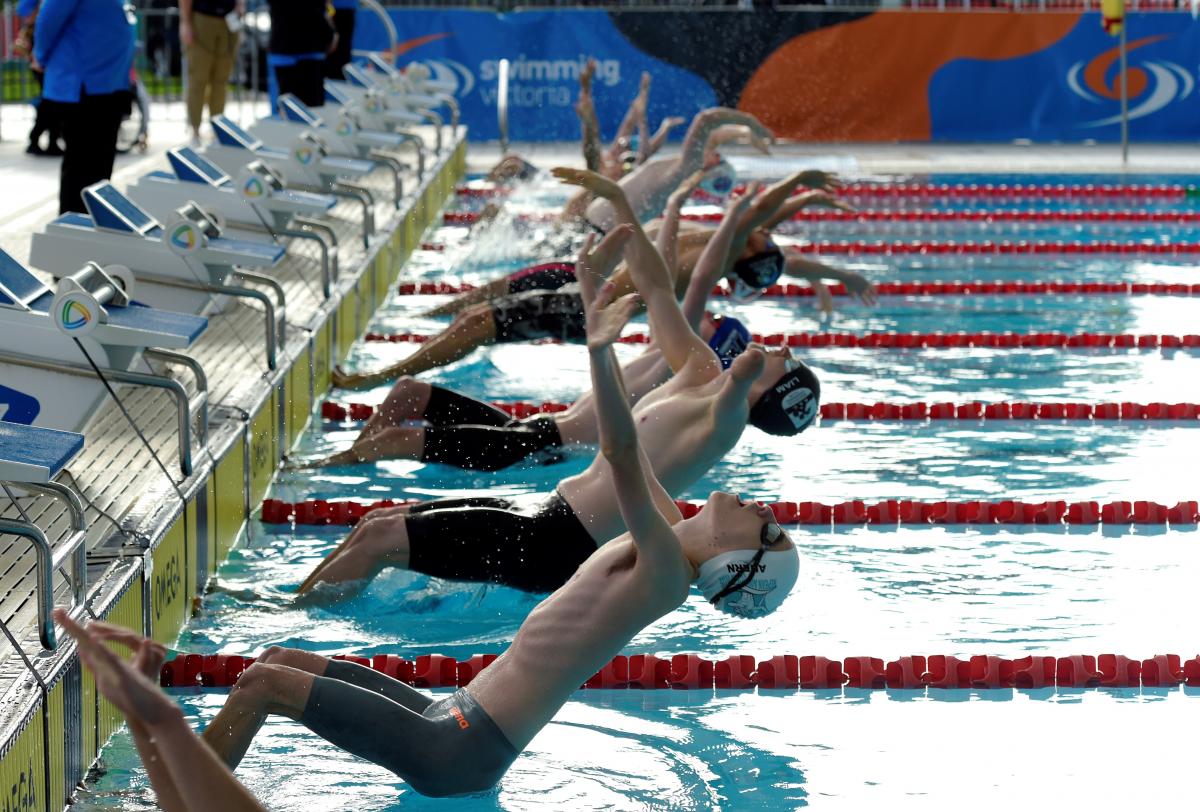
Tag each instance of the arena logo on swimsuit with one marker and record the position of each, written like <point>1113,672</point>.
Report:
<point>1153,85</point>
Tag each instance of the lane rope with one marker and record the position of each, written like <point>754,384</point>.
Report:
<point>873,341</point>
<point>891,512</point>
<point>1015,191</point>
<point>978,288</point>
<point>919,410</point>
<point>745,672</point>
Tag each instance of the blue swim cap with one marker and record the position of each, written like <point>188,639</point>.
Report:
<point>719,180</point>
<point>729,340</point>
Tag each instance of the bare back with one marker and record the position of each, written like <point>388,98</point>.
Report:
<point>573,633</point>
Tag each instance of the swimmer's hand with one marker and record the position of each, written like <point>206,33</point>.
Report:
<point>685,189</point>
<point>859,286</point>
<point>594,182</point>
<point>130,686</point>
<point>605,317</point>
<point>350,380</point>
<point>824,296</point>
<point>738,203</point>
<point>817,197</point>
<point>817,179</point>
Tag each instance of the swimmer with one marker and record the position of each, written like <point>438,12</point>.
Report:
<point>558,313</point>
<point>472,434</point>
<point>186,775</point>
<point>687,425</point>
<point>734,551</point>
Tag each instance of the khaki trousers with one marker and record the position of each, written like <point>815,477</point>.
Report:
<point>210,61</point>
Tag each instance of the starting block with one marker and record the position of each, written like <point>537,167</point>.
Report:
<point>50,382</point>
<point>255,201</point>
<point>305,164</point>
<point>185,265</point>
<point>30,459</point>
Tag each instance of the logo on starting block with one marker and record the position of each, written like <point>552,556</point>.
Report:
<point>345,127</point>
<point>254,187</point>
<point>184,238</point>
<point>74,314</point>
<point>305,154</point>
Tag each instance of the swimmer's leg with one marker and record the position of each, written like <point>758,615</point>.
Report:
<point>262,689</point>
<point>473,328</point>
<point>377,541</point>
<point>406,401</point>
<point>483,293</point>
<point>352,673</point>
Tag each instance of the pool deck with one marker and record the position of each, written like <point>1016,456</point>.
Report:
<point>149,572</point>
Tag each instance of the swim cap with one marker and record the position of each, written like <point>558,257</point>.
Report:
<point>752,275</point>
<point>791,405</point>
<point>750,583</point>
<point>718,181</point>
<point>729,340</point>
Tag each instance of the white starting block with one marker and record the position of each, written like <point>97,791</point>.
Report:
<point>30,459</point>
<point>414,84</point>
<point>255,201</point>
<point>186,265</point>
<point>343,136</point>
<point>50,340</point>
<point>304,165</point>
<point>378,107</point>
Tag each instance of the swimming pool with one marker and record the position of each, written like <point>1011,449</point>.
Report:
<point>1007,591</point>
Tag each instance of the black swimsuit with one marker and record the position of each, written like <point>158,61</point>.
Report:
<point>471,434</point>
<point>534,548</point>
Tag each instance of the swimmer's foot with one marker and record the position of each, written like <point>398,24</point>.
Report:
<point>323,593</point>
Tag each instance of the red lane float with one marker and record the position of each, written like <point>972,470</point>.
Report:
<point>991,248</point>
<point>888,341</point>
<point>789,291</point>
<point>983,216</point>
<point>1014,191</point>
<point>975,410</point>
<point>887,513</point>
<point>742,671</point>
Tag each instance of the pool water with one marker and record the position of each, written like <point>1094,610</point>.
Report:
<point>1007,591</point>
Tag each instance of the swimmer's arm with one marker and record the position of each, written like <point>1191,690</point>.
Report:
<point>660,136</point>
<point>679,342</point>
<point>695,143</point>
<point>667,239</point>
<point>635,115</point>
<point>730,404</point>
<point>771,199</point>
<point>714,260</point>
<point>801,268</point>
<point>815,197</point>
<point>585,108</point>
<point>633,479</point>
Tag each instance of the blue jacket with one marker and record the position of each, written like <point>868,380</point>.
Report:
<point>85,46</point>
<point>26,7</point>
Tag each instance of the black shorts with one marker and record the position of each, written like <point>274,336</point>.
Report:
<point>540,314</point>
<point>490,448</point>
<point>492,540</point>
<point>547,276</point>
<point>441,748</point>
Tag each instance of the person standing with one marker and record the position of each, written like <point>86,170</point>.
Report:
<point>302,35</point>
<point>46,119</point>
<point>344,12</point>
<point>208,30</point>
<point>86,51</point>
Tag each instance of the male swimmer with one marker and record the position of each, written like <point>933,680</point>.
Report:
<point>558,313</point>
<point>742,561</point>
<point>687,425</point>
<point>469,433</point>
<point>186,775</point>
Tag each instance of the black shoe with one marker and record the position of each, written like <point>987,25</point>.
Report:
<point>35,148</point>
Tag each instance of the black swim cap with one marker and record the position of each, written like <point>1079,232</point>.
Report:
<point>753,274</point>
<point>791,405</point>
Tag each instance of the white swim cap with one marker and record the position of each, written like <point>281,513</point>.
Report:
<point>761,579</point>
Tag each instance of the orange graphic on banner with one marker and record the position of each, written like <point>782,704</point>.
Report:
<point>868,80</point>
<point>1096,70</point>
<point>409,45</point>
